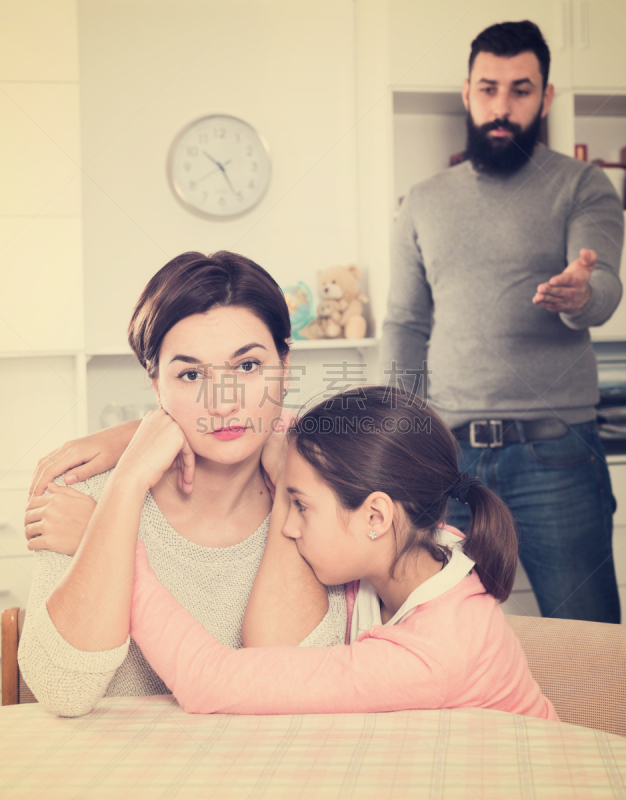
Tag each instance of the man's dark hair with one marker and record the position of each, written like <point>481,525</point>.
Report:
<point>509,39</point>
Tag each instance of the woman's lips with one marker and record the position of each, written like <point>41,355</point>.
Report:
<point>225,434</point>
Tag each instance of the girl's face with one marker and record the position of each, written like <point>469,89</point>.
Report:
<point>333,541</point>
<point>222,380</point>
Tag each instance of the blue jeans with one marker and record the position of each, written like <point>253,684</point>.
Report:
<point>559,492</point>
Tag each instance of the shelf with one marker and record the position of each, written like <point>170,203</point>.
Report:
<point>298,344</point>
<point>113,351</point>
<point>600,105</point>
<point>437,102</point>
<point>39,353</point>
<point>333,344</point>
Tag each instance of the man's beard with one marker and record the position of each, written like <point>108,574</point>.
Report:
<point>501,155</point>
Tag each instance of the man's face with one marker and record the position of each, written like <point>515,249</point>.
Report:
<point>505,101</point>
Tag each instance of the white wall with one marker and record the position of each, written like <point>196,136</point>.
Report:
<point>147,70</point>
<point>41,289</point>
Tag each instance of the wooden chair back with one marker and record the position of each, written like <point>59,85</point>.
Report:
<point>14,687</point>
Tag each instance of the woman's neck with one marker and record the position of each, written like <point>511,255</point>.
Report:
<point>227,504</point>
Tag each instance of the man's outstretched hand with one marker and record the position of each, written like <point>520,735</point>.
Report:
<point>569,292</point>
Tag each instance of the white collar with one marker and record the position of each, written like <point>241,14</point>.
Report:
<point>366,612</point>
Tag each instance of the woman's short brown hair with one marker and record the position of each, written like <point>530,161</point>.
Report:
<point>193,283</point>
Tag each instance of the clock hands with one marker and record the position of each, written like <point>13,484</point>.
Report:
<point>213,171</point>
<point>221,167</point>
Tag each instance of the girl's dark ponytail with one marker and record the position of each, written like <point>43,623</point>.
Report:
<point>490,540</point>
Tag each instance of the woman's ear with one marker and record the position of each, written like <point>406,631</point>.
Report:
<point>155,386</point>
<point>379,513</point>
<point>286,371</point>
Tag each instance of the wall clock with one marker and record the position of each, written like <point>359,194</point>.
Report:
<point>219,167</point>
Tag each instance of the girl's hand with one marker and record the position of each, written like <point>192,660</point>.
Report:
<point>273,457</point>
<point>57,521</point>
<point>158,445</point>
<point>91,455</point>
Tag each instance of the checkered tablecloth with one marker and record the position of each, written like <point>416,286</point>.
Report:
<point>147,747</point>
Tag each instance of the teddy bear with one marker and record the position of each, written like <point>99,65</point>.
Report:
<point>340,311</point>
<point>327,323</point>
<point>342,283</point>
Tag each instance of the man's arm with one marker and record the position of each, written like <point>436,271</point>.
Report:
<point>406,329</point>
<point>588,291</point>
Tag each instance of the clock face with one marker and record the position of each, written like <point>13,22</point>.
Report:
<point>219,166</point>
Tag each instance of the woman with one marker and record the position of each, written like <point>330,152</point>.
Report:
<point>212,334</point>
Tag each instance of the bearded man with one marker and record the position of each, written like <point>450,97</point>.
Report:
<point>500,266</point>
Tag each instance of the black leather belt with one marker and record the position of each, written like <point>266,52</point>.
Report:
<point>498,432</point>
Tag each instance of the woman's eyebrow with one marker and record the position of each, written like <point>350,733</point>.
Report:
<point>236,354</point>
<point>247,347</point>
<point>186,359</point>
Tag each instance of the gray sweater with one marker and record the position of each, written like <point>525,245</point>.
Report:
<point>213,583</point>
<point>468,253</point>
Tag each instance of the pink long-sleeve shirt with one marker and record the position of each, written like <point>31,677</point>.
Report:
<point>451,652</point>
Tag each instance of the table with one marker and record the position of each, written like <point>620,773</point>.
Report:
<point>147,747</point>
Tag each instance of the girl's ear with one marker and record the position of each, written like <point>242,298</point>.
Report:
<point>379,513</point>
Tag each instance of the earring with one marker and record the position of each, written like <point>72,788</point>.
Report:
<point>372,535</point>
<point>285,393</point>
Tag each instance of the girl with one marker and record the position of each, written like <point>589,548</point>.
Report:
<point>212,334</point>
<point>364,495</point>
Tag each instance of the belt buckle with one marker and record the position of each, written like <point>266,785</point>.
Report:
<point>495,432</point>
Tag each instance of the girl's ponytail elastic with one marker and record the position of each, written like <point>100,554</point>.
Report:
<point>461,487</point>
<point>490,540</point>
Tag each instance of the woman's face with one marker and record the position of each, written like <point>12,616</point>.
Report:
<point>222,380</point>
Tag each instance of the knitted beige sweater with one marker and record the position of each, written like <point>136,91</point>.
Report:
<point>213,583</point>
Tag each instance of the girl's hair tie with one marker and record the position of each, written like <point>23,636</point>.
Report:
<point>462,485</point>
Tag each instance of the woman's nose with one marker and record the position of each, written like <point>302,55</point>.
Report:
<point>222,395</point>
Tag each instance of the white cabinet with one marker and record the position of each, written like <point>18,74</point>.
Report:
<point>598,43</point>
<point>430,43</point>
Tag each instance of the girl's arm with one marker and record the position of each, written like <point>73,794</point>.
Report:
<point>287,601</point>
<point>91,455</point>
<point>373,674</point>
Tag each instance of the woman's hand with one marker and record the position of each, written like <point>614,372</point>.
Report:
<point>158,444</point>
<point>57,521</point>
<point>89,455</point>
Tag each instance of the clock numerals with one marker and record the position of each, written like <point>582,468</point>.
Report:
<point>219,133</point>
<point>249,150</point>
<point>192,151</point>
<point>187,166</point>
<point>222,201</point>
<point>239,197</point>
<point>254,167</point>
<point>192,186</point>
<point>251,184</point>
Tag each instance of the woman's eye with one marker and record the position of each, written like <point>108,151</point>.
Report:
<point>301,508</point>
<point>190,376</point>
<point>248,366</point>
